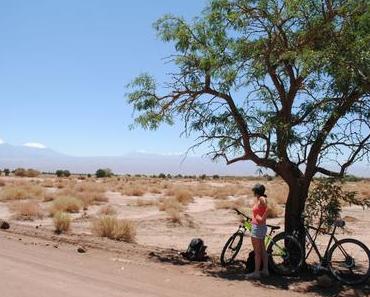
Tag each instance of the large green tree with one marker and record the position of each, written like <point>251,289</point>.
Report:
<point>284,84</point>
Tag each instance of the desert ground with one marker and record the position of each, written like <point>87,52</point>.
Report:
<point>133,229</point>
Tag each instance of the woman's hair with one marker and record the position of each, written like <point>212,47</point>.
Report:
<point>259,190</point>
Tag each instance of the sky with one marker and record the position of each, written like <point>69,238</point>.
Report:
<point>64,70</point>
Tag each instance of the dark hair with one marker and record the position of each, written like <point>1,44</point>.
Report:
<point>259,189</point>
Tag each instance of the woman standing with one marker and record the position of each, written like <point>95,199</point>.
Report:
<point>259,229</point>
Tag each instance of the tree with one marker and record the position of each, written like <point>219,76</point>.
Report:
<point>59,173</point>
<point>283,83</point>
<point>103,173</point>
<point>6,172</point>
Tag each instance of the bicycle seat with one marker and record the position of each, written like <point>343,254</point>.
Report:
<point>339,223</point>
<point>274,227</point>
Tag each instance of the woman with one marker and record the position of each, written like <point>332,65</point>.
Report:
<point>259,229</point>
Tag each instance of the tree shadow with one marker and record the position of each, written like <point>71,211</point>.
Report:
<point>305,282</point>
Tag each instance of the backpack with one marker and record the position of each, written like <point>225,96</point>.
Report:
<point>196,250</point>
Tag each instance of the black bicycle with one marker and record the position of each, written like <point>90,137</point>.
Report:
<point>348,260</point>
<point>285,252</point>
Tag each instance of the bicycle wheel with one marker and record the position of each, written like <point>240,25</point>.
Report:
<point>231,248</point>
<point>349,261</point>
<point>285,254</point>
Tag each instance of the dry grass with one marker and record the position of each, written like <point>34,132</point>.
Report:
<point>48,183</point>
<point>230,204</point>
<point>26,210</point>
<point>113,228</point>
<point>277,190</point>
<point>183,196</point>
<point>143,202</point>
<point>133,190</point>
<point>65,204</point>
<point>274,209</point>
<point>62,222</point>
<point>173,208</point>
<point>107,210</point>
<point>21,191</point>
<point>2,183</point>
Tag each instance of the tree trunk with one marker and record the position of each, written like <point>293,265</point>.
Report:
<point>294,208</point>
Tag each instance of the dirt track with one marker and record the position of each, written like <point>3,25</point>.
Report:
<point>35,268</point>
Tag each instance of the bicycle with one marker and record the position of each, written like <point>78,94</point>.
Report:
<point>285,252</point>
<point>348,260</point>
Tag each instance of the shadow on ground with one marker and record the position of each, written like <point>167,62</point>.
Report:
<point>304,283</point>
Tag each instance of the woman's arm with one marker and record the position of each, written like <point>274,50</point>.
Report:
<point>259,218</point>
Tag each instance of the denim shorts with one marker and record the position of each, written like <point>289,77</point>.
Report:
<point>259,231</point>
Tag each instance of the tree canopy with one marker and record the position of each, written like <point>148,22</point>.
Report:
<point>284,84</point>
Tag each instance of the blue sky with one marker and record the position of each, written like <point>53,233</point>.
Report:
<point>64,67</point>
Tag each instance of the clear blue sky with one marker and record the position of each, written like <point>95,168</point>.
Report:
<point>63,70</point>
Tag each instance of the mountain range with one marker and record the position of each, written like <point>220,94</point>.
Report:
<point>48,160</point>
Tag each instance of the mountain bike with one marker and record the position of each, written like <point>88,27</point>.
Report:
<point>285,252</point>
<point>348,260</point>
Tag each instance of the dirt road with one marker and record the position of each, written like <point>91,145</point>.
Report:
<point>36,268</point>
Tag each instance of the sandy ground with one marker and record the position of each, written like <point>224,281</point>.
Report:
<point>32,267</point>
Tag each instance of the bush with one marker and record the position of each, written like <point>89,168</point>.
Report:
<point>100,173</point>
<point>21,191</point>
<point>324,203</point>
<point>27,210</point>
<point>62,222</point>
<point>6,172</point>
<point>62,173</point>
<point>21,172</point>
<point>65,204</point>
<point>113,228</point>
<point>107,210</point>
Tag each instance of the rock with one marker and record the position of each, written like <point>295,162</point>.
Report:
<point>4,225</point>
<point>325,281</point>
<point>81,250</point>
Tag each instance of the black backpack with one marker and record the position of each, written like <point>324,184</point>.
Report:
<point>196,250</point>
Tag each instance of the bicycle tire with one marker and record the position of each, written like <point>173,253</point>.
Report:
<point>285,254</point>
<point>229,246</point>
<point>349,262</point>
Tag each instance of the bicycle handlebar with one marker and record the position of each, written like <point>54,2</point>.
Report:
<point>250,219</point>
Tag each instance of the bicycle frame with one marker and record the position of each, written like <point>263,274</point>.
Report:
<point>332,240</point>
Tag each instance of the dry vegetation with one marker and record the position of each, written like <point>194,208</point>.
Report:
<point>113,228</point>
<point>21,191</point>
<point>62,222</point>
<point>107,210</point>
<point>65,204</point>
<point>26,210</point>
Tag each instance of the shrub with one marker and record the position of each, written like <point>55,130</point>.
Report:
<point>162,175</point>
<point>144,202</point>
<point>65,204</point>
<point>62,173</point>
<point>274,209</point>
<point>27,210</point>
<point>183,196</point>
<point>107,210</point>
<point>6,172</point>
<point>100,173</point>
<point>2,183</point>
<point>113,228</point>
<point>62,222</point>
<point>21,172</point>
<point>324,203</point>
<point>21,191</point>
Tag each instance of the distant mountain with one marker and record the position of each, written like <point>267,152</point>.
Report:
<point>132,163</point>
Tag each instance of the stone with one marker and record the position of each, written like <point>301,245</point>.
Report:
<point>81,250</point>
<point>4,225</point>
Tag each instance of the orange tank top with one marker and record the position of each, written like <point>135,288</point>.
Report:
<point>258,210</point>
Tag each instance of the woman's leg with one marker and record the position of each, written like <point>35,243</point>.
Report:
<point>265,258</point>
<point>257,254</point>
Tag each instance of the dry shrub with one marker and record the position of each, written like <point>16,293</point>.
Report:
<point>107,210</point>
<point>143,202</point>
<point>230,204</point>
<point>113,228</point>
<point>274,209</point>
<point>21,191</point>
<point>154,190</point>
<point>62,222</point>
<point>26,210</point>
<point>48,183</point>
<point>278,191</point>
<point>49,196</point>
<point>2,183</point>
<point>183,196</point>
<point>133,190</point>
<point>65,204</point>
<point>173,208</point>
<point>87,192</point>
